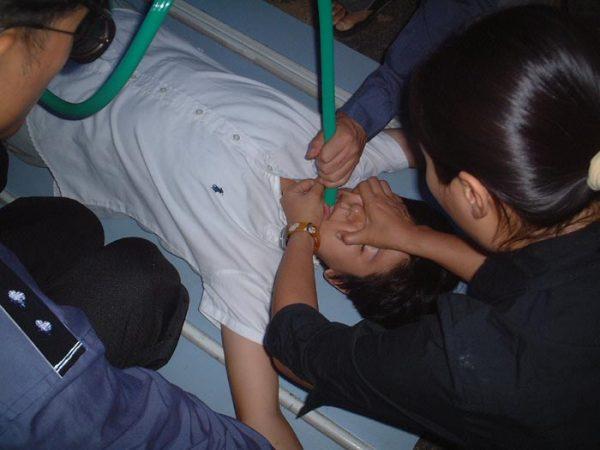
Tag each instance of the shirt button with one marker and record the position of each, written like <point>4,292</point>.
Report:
<point>163,90</point>
<point>134,76</point>
<point>199,112</point>
<point>270,168</point>
<point>236,137</point>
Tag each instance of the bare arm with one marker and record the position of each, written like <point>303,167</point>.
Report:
<point>255,389</point>
<point>295,283</point>
<point>295,279</point>
<point>253,380</point>
<point>449,251</point>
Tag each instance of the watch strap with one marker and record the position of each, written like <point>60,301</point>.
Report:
<point>307,227</point>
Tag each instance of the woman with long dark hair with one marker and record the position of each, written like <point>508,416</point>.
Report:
<point>508,118</point>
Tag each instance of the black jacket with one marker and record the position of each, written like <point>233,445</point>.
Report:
<point>515,363</point>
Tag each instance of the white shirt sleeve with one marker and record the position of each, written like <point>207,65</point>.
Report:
<point>236,299</point>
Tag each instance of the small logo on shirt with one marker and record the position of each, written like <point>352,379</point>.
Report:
<point>217,189</point>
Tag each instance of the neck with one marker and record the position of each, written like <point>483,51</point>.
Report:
<point>580,221</point>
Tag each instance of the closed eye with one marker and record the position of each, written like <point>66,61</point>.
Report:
<point>370,251</point>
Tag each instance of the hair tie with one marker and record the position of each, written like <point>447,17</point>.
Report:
<point>593,180</point>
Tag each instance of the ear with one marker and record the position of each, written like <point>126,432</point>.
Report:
<point>329,276</point>
<point>8,39</point>
<point>475,195</point>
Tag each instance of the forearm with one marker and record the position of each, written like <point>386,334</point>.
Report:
<point>295,280</point>
<point>295,283</point>
<point>450,252</point>
<point>376,101</point>
<point>381,96</point>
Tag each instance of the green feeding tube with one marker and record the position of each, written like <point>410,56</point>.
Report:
<point>121,74</point>
<point>327,80</point>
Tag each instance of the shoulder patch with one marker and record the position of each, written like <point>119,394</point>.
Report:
<point>48,335</point>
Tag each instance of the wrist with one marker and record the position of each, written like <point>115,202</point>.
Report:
<point>301,244</point>
<point>359,132</point>
<point>425,242</point>
<point>306,229</point>
<point>301,239</point>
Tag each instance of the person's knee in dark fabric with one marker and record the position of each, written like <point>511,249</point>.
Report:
<point>155,284</point>
<point>157,304</point>
<point>409,290</point>
<point>134,299</point>
<point>61,229</point>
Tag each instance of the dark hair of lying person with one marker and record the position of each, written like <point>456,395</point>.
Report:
<point>408,291</point>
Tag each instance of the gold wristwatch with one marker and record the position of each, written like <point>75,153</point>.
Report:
<point>309,227</point>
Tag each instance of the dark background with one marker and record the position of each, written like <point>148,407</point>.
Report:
<point>378,35</point>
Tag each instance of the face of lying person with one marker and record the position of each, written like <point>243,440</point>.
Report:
<point>347,215</point>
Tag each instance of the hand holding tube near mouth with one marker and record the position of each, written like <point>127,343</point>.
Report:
<point>337,158</point>
<point>302,201</point>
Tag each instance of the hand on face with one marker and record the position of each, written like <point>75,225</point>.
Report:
<point>302,201</point>
<point>338,157</point>
<point>348,215</point>
<point>387,222</point>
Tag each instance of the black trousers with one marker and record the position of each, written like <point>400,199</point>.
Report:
<point>131,294</point>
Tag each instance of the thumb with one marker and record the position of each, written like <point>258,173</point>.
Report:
<point>354,237</point>
<point>304,185</point>
<point>315,146</point>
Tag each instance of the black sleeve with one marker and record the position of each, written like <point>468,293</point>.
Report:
<point>400,377</point>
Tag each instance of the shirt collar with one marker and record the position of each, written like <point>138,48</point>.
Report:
<point>508,273</point>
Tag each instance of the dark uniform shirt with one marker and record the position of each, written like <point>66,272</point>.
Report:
<point>58,391</point>
<point>515,363</point>
<point>382,95</point>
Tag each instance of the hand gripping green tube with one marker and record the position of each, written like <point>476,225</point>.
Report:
<point>327,80</point>
<point>121,74</point>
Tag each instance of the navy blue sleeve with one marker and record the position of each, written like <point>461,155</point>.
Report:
<point>83,401</point>
<point>381,96</point>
